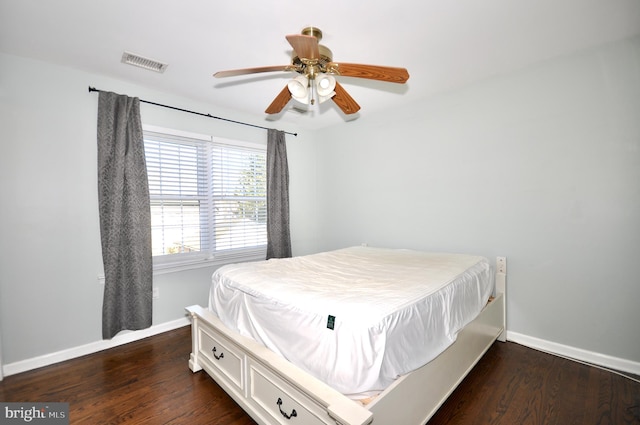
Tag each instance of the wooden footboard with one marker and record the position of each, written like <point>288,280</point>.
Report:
<point>415,397</point>
<point>266,386</point>
<point>273,391</point>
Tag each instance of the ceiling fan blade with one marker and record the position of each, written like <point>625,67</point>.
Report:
<point>305,46</point>
<point>344,100</point>
<point>372,72</point>
<point>245,71</point>
<point>279,102</point>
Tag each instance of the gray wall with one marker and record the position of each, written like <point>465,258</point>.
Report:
<point>541,166</point>
<point>50,256</point>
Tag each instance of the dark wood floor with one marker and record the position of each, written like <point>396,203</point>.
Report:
<point>149,382</point>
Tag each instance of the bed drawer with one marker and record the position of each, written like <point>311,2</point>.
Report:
<point>282,402</point>
<point>223,355</point>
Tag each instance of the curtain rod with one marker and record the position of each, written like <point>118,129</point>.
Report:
<point>93,89</point>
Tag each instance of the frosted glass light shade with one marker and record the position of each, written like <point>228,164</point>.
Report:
<point>299,88</point>
<point>325,83</point>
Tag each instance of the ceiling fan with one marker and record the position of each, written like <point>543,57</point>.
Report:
<point>316,82</point>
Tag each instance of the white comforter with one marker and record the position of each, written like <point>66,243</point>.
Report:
<point>355,318</point>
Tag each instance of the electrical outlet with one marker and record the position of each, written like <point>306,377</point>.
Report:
<point>501,264</point>
<point>156,293</point>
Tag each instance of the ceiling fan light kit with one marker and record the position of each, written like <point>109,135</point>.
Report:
<point>307,91</point>
<point>326,83</point>
<point>299,88</point>
<point>317,82</point>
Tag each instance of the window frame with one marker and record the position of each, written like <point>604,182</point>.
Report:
<point>170,263</point>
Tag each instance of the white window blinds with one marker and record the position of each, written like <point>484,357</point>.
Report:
<point>208,198</point>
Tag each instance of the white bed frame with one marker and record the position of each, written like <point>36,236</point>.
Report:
<point>273,391</point>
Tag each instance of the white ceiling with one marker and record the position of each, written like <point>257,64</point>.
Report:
<point>443,43</point>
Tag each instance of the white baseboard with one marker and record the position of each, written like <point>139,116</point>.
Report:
<point>603,360</point>
<point>126,337</point>
<point>123,337</point>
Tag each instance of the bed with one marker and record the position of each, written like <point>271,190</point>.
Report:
<point>353,336</point>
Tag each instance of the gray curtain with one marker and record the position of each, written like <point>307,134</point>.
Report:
<point>125,216</point>
<point>278,235</point>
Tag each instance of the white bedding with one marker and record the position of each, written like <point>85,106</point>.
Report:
<point>355,318</point>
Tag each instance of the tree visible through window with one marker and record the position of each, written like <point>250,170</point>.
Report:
<point>208,198</point>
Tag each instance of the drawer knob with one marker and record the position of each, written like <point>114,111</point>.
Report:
<point>221,356</point>
<point>293,412</point>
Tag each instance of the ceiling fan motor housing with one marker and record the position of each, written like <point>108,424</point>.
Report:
<point>312,66</point>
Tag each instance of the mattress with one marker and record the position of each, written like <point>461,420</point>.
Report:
<point>355,318</point>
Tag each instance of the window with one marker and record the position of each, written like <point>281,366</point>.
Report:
<point>208,198</point>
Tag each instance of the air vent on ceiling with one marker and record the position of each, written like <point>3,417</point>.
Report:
<point>142,62</point>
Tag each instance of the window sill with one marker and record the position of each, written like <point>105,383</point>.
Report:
<point>179,266</point>
<point>192,264</point>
